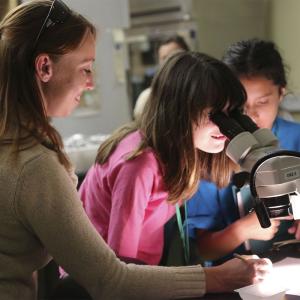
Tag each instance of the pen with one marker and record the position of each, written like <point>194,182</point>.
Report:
<point>236,255</point>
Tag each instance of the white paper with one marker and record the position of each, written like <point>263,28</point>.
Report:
<point>287,273</point>
<point>263,290</point>
<point>284,278</point>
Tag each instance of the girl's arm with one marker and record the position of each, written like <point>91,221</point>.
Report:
<point>216,244</point>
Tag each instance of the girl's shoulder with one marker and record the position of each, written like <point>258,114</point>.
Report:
<point>288,133</point>
<point>127,147</point>
<point>283,125</point>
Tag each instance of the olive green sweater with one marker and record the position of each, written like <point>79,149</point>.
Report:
<point>41,217</point>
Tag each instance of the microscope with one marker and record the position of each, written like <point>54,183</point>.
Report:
<point>272,173</point>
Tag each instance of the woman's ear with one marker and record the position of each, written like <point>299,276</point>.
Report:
<point>43,67</point>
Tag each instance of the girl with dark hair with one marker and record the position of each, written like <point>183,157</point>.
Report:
<point>148,166</point>
<point>219,218</point>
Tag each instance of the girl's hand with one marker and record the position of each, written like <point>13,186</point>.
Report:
<point>252,229</point>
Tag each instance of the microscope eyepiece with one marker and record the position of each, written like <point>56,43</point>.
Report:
<point>228,126</point>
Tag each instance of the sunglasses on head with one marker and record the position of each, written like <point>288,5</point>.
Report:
<point>57,14</point>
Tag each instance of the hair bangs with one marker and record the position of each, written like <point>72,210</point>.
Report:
<point>226,93</point>
<point>217,89</point>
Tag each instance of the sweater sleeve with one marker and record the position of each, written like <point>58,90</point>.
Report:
<point>47,204</point>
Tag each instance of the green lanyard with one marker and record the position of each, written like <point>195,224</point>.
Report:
<point>183,233</point>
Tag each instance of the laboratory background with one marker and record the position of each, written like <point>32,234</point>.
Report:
<point>129,32</point>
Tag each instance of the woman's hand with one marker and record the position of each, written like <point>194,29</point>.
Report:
<point>237,273</point>
<point>252,229</point>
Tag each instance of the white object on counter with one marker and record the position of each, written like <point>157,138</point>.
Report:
<point>287,272</point>
<point>82,150</point>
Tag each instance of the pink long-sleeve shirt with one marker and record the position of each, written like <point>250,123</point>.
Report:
<point>126,202</point>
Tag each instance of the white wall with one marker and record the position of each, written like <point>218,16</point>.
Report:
<point>285,32</point>
<point>114,104</point>
<point>222,22</point>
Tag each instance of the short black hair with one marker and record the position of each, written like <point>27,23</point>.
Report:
<point>255,57</point>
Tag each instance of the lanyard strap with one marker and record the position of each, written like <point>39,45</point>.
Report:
<point>183,231</point>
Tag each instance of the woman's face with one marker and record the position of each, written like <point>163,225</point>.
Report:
<point>263,100</point>
<point>207,136</point>
<point>71,76</point>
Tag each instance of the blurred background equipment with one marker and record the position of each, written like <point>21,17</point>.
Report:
<point>152,22</point>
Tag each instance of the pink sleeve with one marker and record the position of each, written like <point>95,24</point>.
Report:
<point>132,186</point>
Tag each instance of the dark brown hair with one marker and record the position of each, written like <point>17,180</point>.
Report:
<point>22,113</point>
<point>186,86</point>
<point>177,39</point>
<point>255,57</point>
